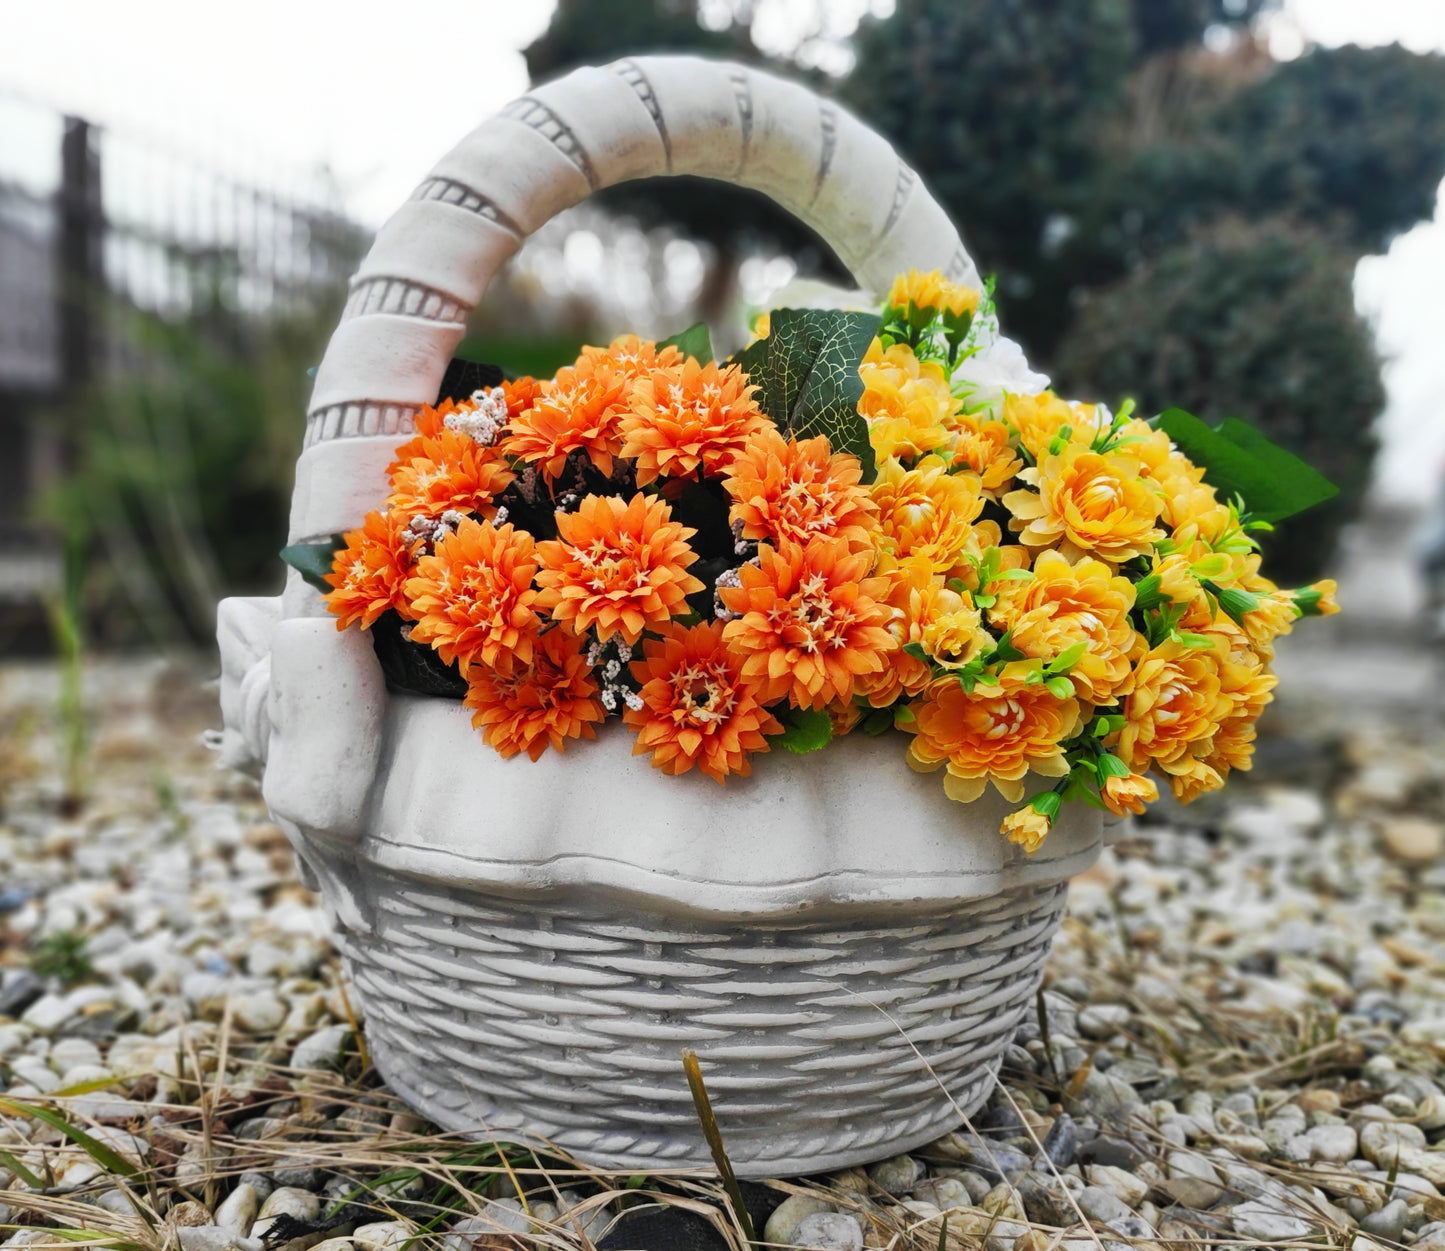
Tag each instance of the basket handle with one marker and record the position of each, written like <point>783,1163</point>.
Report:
<point>547,150</point>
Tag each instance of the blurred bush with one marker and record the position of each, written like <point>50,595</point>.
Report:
<point>1252,318</point>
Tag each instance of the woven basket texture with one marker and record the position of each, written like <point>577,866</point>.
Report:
<point>822,1043</point>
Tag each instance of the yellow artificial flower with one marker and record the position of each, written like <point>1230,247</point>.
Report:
<point>983,447</point>
<point>1037,419</point>
<point>1027,827</point>
<point>1064,604</point>
<point>932,290</point>
<point>1087,503</point>
<point>995,733</point>
<point>1128,794</point>
<point>926,511</point>
<point>953,635</point>
<point>1175,708</point>
<point>905,401</point>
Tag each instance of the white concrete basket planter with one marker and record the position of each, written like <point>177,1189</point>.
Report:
<point>848,951</point>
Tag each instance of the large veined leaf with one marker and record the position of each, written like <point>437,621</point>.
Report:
<point>695,341</point>
<point>1238,460</point>
<point>809,376</point>
<point>804,730</point>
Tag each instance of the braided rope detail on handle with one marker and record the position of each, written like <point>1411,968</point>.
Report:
<point>546,151</point>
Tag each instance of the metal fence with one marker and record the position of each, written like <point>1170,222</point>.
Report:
<point>99,227</point>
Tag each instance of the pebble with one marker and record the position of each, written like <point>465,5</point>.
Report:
<point>215,1238</point>
<point>239,1210</point>
<point>383,1236</point>
<point>1101,1205</point>
<point>897,1175</point>
<point>1123,1185</point>
<point>828,1231</point>
<point>322,1050</point>
<point>1414,841</point>
<point>1267,1222</point>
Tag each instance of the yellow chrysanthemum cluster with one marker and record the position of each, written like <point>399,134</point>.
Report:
<point>1118,626</point>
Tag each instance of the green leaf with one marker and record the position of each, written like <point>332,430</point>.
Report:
<point>1068,658</point>
<point>810,380</point>
<point>106,1157</point>
<point>695,341</point>
<point>1060,688</point>
<point>804,730</point>
<point>752,360</point>
<point>1238,460</point>
<point>1110,766</point>
<point>313,560</point>
<point>877,722</point>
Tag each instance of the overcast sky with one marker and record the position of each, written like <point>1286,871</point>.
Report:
<point>377,91</point>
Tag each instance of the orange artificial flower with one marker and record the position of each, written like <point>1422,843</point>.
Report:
<point>619,565</point>
<point>546,703</point>
<point>369,574</point>
<point>474,599</point>
<point>809,622</point>
<point>696,707</point>
<point>1064,604</point>
<point>689,417</point>
<point>796,491</point>
<point>575,411</point>
<point>995,734</point>
<point>1087,503</point>
<point>927,511</point>
<point>1175,708</point>
<point>843,715</point>
<point>632,357</point>
<point>1128,794</point>
<point>521,394</point>
<point>451,473</point>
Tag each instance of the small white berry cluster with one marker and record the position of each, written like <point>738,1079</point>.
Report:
<point>429,531</point>
<point>485,422</point>
<point>614,689</point>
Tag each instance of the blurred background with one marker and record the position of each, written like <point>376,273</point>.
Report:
<point>1229,205</point>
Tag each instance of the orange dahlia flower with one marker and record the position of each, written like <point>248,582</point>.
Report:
<point>474,598</point>
<point>1175,708</point>
<point>1064,604</point>
<point>448,472</point>
<point>689,417</point>
<point>620,566</point>
<point>809,622</point>
<point>369,574</point>
<point>1087,503</point>
<point>927,511</point>
<point>984,448</point>
<point>696,707</point>
<point>546,703</point>
<point>993,734</point>
<point>793,492</point>
<point>906,401</point>
<point>632,357</point>
<point>575,411</point>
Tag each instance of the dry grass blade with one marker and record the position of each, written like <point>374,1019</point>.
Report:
<point>713,1134</point>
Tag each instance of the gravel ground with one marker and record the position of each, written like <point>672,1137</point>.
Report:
<point>1242,1040</point>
